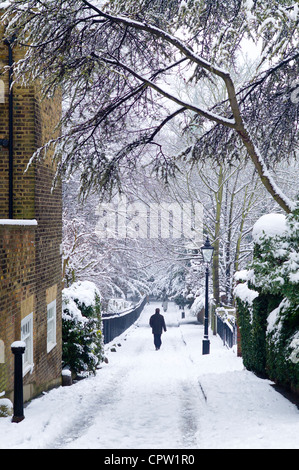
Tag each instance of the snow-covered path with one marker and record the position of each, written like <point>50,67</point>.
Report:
<point>174,398</point>
<point>150,397</point>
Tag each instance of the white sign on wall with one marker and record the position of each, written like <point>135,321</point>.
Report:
<point>2,355</point>
<point>2,92</point>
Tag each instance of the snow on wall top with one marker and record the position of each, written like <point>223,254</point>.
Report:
<point>18,222</point>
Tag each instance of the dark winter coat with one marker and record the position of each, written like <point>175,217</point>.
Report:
<point>157,323</point>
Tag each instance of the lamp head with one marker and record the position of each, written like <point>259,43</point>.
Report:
<point>207,251</point>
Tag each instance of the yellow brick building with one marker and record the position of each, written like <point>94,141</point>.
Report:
<point>30,236</point>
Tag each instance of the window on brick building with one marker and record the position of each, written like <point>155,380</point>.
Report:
<point>2,352</point>
<point>51,325</point>
<point>27,337</point>
<point>2,92</point>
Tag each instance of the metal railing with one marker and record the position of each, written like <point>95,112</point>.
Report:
<point>116,323</point>
<point>227,330</point>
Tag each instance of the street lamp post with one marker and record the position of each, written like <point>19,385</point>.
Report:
<point>207,254</point>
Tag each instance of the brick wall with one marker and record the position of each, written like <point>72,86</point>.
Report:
<point>4,134</point>
<point>32,275</point>
<point>48,239</point>
<point>17,276</point>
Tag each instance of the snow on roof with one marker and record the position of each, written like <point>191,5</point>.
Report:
<point>269,225</point>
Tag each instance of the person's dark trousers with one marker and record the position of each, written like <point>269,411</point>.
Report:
<point>157,341</point>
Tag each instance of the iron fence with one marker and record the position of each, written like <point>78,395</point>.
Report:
<point>116,323</point>
<point>227,331</point>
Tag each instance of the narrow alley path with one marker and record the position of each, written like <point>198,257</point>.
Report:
<point>174,398</point>
<point>152,397</point>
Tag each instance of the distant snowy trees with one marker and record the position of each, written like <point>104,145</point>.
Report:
<point>115,265</point>
<point>231,201</point>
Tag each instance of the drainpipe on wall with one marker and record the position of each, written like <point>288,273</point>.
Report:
<point>10,126</point>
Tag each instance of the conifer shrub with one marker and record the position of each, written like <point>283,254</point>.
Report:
<point>259,328</point>
<point>269,324</point>
<point>244,310</point>
<point>82,338</point>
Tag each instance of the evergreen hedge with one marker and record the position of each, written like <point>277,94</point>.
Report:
<point>82,338</point>
<point>269,323</point>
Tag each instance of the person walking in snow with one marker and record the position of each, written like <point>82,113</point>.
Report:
<point>157,324</point>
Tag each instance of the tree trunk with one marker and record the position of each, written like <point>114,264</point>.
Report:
<point>216,244</point>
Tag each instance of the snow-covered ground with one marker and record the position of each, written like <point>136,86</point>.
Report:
<point>174,398</point>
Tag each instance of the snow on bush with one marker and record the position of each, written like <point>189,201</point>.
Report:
<point>245,294</point>
<point>294,346</point>
<point>269,225</point>
<point>6,407</point>
<point>84,291</point>
<point>268,299</point>
<point>82,327</point>
<point>197,306</point>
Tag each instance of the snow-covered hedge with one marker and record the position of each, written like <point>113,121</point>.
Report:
<point>268,300</point>
<point>6,407</point>
<point>198,306</point>
<point>82,349</point>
